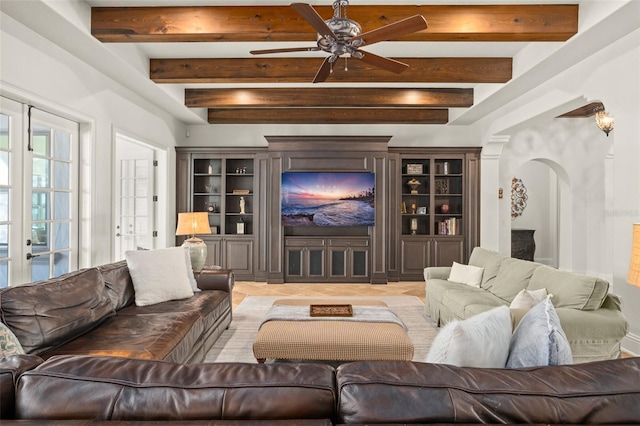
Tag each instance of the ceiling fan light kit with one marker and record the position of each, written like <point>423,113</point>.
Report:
<point>341,36</point>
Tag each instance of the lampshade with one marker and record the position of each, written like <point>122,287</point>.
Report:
<point>634,267</point>
<point>191,224</point>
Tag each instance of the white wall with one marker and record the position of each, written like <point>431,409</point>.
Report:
<point>37,71</point>
<point>540,212</point>
<point>599,176</point>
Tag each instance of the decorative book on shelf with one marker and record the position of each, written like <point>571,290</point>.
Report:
<point>449,226</point>
<point>242,191</point>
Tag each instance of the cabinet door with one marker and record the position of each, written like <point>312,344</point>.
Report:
<point>349,263</point>
<point>305,264</point>
<point>214,253</point>
<point>415,255</point>
<point>238,255</point>
<point>448,250</point>
<point>359,262</point>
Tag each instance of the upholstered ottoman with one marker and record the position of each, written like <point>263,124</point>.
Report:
<point>335,339</point>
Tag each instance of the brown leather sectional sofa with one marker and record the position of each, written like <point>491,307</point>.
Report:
<point>92,311</point>
<point>113,390</point>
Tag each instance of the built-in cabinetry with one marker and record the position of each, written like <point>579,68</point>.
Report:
<point>426,204</point>
<point>223,184</point>
<point>318,259</point>
<point>438,201</point>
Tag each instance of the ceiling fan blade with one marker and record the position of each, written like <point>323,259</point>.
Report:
<point>393,31</point>
<point>285,50</point>
<point>323,71</point>
<point>382,62</point>
<point>312,17</point>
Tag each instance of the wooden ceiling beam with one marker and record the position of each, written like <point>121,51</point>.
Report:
<point>302,70</point>
<point>328,97</point>
<point>544,22</point>
<point>327,116</point>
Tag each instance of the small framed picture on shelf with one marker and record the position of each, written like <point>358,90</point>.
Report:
<point>414,169</point>
<point>422,210</point>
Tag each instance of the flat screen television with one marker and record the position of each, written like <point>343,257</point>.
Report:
<point>328,199</point>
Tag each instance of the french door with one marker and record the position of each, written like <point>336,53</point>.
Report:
<point>38,194</point>
<point>134,196</point>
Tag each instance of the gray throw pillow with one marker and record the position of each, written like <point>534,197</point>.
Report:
<point>539,339</point>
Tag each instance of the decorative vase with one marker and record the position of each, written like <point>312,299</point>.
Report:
<point>444,208</point>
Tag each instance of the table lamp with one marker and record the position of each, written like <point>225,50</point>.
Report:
<point>634,267</point>
<point>192,224</point>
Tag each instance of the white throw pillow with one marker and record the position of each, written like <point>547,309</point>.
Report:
<point>539,339</point>
<point>527,299</point>
<point>479,341</point>
<point>159,275</point>
<point>466,274</point>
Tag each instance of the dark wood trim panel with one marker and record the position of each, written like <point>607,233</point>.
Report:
<point>328,97</point>
<point>551,22</point>
<point>302,70</point>
<point>328,116</point>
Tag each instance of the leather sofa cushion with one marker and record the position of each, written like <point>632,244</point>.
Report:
<point>112,388</point>
<point>410,392</point>
<point>513,276</point>
<point>10,368</point>
<point>48,313</point>
<point>118,283</point>
<point>569,289</point>
<point>165,331</point>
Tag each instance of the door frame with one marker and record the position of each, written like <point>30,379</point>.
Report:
<point>160,181</point>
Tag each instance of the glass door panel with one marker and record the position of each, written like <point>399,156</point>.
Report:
<point>135,214</point>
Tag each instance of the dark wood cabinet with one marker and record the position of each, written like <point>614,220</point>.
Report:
<point>223,184</point>
<point>523,244</point>
<point>437,194</point>
<point>309,259</point>
<point>426,209</point>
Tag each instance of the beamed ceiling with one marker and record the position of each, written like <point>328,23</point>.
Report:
<point>235,87</point>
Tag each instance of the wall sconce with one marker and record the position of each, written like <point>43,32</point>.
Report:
<point>634,267</point>
<point>604,120</point>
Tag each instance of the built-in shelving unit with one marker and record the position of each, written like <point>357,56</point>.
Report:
<point>426,209</point>
<point>223,185</point>
<point>438,208</point>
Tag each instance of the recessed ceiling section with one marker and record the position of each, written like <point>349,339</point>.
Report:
<point>465,47</point>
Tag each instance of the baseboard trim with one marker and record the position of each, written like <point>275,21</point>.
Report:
<point>631,344</point>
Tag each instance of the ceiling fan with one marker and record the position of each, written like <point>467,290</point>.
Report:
<point>342,36</point>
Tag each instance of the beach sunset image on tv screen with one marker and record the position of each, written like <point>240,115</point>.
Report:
<point>328,199</point>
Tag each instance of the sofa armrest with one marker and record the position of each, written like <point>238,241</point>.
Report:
<point>216,279</point>
<point>437,273</point>
<point>612,302</point>
<point>10,368</point>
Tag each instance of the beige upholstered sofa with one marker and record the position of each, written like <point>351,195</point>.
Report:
<point>590,316</point>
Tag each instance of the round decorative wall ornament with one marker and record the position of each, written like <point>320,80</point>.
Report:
<point>518,197</point>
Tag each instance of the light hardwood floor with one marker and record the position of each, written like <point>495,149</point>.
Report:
<point>243,289</point>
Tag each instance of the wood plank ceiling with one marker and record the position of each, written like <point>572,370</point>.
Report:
<point>318,104</point>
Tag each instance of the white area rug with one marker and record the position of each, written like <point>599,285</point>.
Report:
<point>236,343</point>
